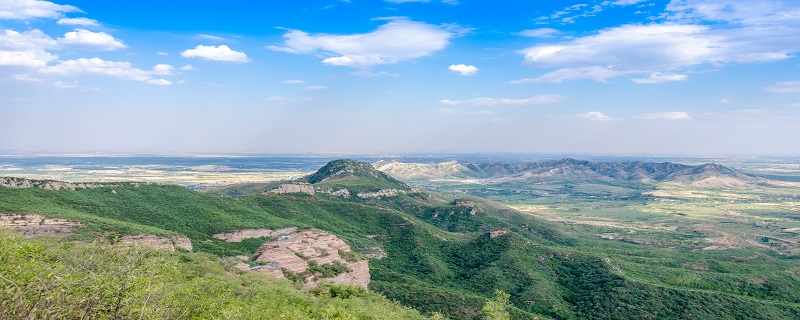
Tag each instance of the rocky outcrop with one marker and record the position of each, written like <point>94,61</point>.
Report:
<point>238,236</point>
<point>295,253</point>
<point>344,193</point>
<point>463,203</point>
<point>156,242</point>
<point>21,183</point>
<point>497,233</point>
<point>381,193</point>
<point>294,187</point>
<point>36,225</point>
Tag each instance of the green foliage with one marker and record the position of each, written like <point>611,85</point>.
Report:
<point>44,279</point>
<point>495,309</point>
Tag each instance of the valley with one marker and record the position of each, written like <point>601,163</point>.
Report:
<point>580,241</point>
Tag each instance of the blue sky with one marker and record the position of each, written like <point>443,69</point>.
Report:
<point>679,77</point>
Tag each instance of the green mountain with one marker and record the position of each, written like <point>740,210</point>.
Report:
<point>433,252</point>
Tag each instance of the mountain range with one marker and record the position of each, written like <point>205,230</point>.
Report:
<point>563,170</point>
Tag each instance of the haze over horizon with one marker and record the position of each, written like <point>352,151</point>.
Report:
<point>682,77</point>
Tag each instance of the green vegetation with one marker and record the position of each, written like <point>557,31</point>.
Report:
<point>48,279</point>
<point>452,257</point>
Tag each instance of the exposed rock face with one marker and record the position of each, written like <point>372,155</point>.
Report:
<point>344,193</point>
<point>381,193</point>
<point>156,242</point>
<point>294,251</point>
<point>182,243</point>
<point>496,233</point>
<point>36,225</point>
<point>21,183</point>
<point>294,187</point>
<point>463,203</point>
<point>238,236</point>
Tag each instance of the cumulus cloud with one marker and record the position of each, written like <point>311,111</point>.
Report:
<point>538,33</point>
<point>658,77</point>
<point>395,41</point>
<point>536,100</point>
<point>25,49</point>
<point>595,116</point>
<point>187,67</point>
<point>462,69</point>
<point>32,9</point>
<point>221,53</point>
<point>675,115</point>
<point>77,22</point>
<point>163,69</point>
<point>82,39</point>
<point>159,82</point>
<point>691,35</point>
<point>784,87</point>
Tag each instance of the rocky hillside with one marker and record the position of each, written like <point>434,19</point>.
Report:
<point>560,170</point>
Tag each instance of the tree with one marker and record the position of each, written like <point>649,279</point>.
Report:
<point>495,309</point>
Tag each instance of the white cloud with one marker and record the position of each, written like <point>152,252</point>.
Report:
<point>369,74</point>
<point>395,41</point>
<point>725,101</point>
<point>749,32</point>
<point>784,87</point>
<point>596,73</point>
<point>209,37</point>
<point>97,66</point>
<point>82,39</point>
<point>25,49</point>
<point>595,116</point>
<point>675,115</point>
<point>26,58</point>
<point>32,9</point>
<point>162,53</point>
<point>61,85</point>
<point>316,87</point>
<point>292,81</point>
<point>538,33</point>
<point>77,22</point>
<point>221,53</point>
<point>738,12</point>
<point>159,82</point>
<point>27,40</point>
<point>24,77</point>
<point>462,69</point>
<point>187,67</point>
<point>163,69</point>
<point>536,100</point>
<point>658,77</point>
